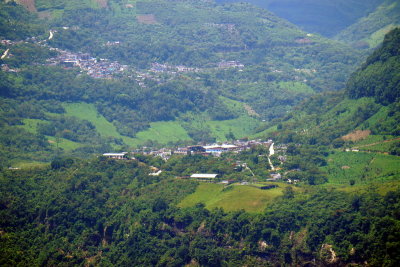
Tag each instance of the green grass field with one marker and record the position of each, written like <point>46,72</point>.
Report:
<point>31,126</point>
<point>235,197</point>
<point>297,87</point>
<point>383,147</point>
<point>89,112</point>
<point>240,127</point>
<point>363,168</point>
<point>264,133</point>
<point>162,132</point>
<point>373,139</point>
<point>29,164</point>
<point>63,143</point>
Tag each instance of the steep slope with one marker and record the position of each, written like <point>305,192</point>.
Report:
<point>369,31</point>
<point>370,103</point>
<point>318,16</point>
<point>379,76</point>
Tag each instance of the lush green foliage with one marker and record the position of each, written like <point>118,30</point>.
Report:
<point>369,31</point>
<point>379,76</point>
<point>320,16</point>
<point>23,24</point>
<point>107,212</point>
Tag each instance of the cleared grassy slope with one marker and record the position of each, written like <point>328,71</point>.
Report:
<point>88,112</point>
<point>364,168</point>
<point>233,198</point>
<point>31,126</point>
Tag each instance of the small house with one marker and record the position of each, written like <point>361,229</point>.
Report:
<point>204,176</point>
<point>122,155</point>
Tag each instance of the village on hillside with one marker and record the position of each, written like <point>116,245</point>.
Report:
<point>213,150</point>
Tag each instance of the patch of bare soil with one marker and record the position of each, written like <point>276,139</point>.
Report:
<point>356,135</point>
<point>28,4</point>
<point>250,111</point>
<point>147,19</point>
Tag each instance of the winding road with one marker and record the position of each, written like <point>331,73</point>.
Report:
<point>271,152</point>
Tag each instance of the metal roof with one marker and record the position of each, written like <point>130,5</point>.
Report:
<point>115,154</point>
<point>204,175</point>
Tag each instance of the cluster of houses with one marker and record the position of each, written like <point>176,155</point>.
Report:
<point>172,69</point>
<point>95,68</point>
<point>230,64</point>
<point>9,42</point>
<point>208,150</point>
<point>158,67</point>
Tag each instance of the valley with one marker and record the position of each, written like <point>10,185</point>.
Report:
<point>199,133</point>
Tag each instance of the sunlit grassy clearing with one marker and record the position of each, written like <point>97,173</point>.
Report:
<point>363,168</point>
<point>65,144</point>
<point>383,147</point>
<point>163,132</point>
<point>238,197</point>
<point>240,127</point>
<point>373,139</point>
<point>30,125</point>
<point>297,87</point>
<point>89,112</point>
<point>29,164</point>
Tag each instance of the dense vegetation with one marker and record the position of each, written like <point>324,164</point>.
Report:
<point>106,212</point>
<point>325,17</point>
<point>379,76</point>
<point>369,102</point>
<point>370,30</point>
<point>282,66</point>
<point>336,204</point>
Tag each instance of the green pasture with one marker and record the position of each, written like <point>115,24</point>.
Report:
<point>63,143</point>
<point>264,133</point>
<point>29,164</point>
<point>162,132</point>
<point>364,168</point>
<point>373,139</point>
<point>240,127</point>
<point>383,147</point>
<point>232,198</point>
<point>297,87</point>
<point>30,125</point>
<point>89,112</point>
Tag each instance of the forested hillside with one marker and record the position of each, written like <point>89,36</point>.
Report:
<point>370,103</point>
<point>107,213</point>
<point>362,24</point>
<point>368,31</point>
<point>135,71</point>
<point>318,16</point>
